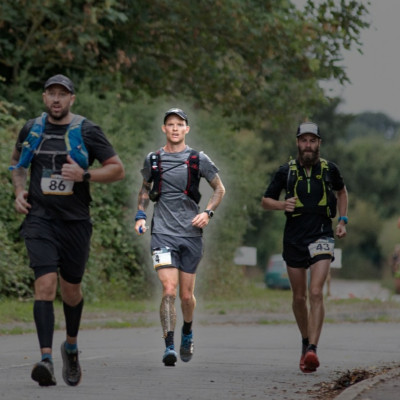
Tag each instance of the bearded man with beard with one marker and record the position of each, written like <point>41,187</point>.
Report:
<point>314,191</point>
<point>57,227</point>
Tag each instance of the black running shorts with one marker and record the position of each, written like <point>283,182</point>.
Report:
<point>54,245</point>
<point>298,256</point>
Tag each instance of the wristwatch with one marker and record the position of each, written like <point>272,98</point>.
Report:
<point>210,213</point>
<point>86,176</point>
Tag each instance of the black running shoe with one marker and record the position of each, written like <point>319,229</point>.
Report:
<point>43,373</point>
<point>71,369</point>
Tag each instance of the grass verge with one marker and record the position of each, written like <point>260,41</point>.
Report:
<point>254,304</point>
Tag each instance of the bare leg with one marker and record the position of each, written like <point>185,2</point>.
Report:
<point>168,314</point>
<point>298,282</point>
<point>186,293</point>
<point>319,272</point>
<point>169,280</point>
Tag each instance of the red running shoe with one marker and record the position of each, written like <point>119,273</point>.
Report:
<point>303,367</point>
<point>311,362</point>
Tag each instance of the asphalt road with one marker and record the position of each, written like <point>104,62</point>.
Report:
<point>232,362</point>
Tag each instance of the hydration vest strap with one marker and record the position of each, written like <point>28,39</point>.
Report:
<point>193,178</point>
<point>74,142</point>
<point>31,143</point>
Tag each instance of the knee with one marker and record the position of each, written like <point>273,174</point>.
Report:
<point>169,290</point>
<point>71,294</point>
<point>316,295</point>
<point>299,300</point>
<point>186,297</point>
<point>45,291</point>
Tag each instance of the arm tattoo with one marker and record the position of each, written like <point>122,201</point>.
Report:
<point>218,194</point>
<point>143,199</point>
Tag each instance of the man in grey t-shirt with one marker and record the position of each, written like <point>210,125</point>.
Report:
<point>170,178</point>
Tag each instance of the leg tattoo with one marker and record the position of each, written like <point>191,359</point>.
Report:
<point>168,314</point>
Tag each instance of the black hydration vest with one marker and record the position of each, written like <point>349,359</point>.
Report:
<point>327,204</point>
<point>193,179</point>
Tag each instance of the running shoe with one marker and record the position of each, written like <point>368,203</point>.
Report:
<point>43,373</point>
<point>170,356</point>
<point>71,369</point>
<point>311,362</point>
<point>301,364</point>
<point>187,347</point>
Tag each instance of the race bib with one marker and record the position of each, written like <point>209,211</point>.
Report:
<point>322,246</point>
<point>54,183</point>
<point>161,257</point>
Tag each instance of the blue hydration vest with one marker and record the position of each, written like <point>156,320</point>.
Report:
<point>73,140</point>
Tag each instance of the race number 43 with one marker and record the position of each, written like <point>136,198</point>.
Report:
<point>322,246</point>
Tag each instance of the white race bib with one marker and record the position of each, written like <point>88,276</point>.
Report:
<point>322,246</point>
<point>53,183</point>
<point>162,257</point>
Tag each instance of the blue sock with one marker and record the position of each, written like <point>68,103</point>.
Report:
<point>71,348</point>
<point>47,356</point>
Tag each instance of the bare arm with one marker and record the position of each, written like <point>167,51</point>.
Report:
<point>201,220</point>
<point>143,203</point>
<point>342,199</point>
<point>19,177</point>
<point>268,203</point>
<point>111,170</point>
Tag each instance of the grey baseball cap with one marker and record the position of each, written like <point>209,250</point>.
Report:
<point>60,80</point>
<point>308,127</point>
<point>180,113</point>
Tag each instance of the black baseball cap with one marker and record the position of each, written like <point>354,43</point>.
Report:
<point>180,113</point>
<point>60,80</point>
<point>308,127</point>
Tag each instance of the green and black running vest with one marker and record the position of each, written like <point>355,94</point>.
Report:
<point>193,178</point>
<point>327,204</point>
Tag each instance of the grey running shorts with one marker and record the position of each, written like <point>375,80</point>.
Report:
<point>184,253</point>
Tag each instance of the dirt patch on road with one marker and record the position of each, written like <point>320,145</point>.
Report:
<point>330,390</point>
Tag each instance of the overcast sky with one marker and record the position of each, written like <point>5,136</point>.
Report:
<point>375,75</point>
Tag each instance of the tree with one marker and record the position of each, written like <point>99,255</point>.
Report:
<point>260,61</point>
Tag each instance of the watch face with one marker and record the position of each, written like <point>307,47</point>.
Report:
<point>86,176</point>
<point>210,213</point>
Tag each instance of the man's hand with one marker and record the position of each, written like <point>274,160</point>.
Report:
<point>71,171</point>
<point>140,226</point>
<point>290,204</point>
<point>341,230</point>
<point>21,205</point>
<point>201,220</point>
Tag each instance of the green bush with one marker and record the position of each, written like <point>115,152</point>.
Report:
<point>119,263</point>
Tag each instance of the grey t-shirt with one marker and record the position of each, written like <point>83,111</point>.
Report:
<point>174,211</point>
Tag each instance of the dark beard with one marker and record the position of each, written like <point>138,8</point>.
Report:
<point>57,117</point>
<point>308,159</point>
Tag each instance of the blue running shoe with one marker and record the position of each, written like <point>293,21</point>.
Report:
<point>170,356</point>
<point>187,347</point>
